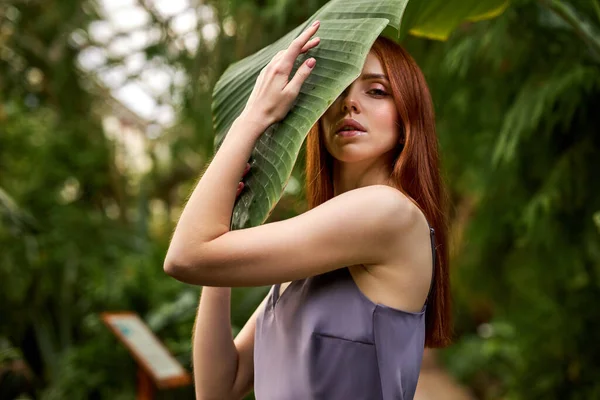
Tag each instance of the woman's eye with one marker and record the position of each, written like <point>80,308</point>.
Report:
<point>378,92</point>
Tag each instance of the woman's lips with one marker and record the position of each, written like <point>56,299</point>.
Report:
<point>350,133</point>
<point>349,124</point>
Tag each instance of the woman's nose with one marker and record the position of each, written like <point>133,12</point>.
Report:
<point>349,102</point>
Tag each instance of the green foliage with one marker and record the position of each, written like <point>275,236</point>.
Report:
<point>517,121</point>
<point>84,229</point>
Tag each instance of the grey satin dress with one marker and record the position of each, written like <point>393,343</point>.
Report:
<point>323,339</point>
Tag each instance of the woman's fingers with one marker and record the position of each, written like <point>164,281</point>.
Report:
<point>274,92</point>
<point>311,43</point>
<point>295,48</point>
<point>241,184</point>
<point>301,74</point>
<point>301,45</point>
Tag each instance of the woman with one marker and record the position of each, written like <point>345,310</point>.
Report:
<point>364,299</point>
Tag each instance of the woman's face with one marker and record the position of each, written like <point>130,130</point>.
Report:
<point>368,100</point>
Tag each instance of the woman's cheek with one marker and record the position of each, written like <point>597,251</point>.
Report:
<point>385,117</point>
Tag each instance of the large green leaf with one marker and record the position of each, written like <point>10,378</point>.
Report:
<point>348,30</point>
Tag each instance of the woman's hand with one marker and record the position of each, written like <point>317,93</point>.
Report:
<point>274,93</point>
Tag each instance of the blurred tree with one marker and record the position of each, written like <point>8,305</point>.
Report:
<point>86,255</point>
<point>85,228</point>
<point>516,101</point>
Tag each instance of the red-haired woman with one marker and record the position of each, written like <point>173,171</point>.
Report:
<point>367,264</point>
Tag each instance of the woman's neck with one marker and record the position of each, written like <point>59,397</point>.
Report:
<point>349,176</point>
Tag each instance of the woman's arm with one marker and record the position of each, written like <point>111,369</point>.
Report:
<point>368,225</point>
<point>207,214</point>
<point>223,367</point>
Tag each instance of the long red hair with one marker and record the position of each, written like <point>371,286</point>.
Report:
<point>416,173</point>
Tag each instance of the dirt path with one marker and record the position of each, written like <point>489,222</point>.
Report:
<point>436,384</point>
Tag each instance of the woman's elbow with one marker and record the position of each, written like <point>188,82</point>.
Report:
<point>184,269</point>
<point>173,266</point>
<point>177,266</point>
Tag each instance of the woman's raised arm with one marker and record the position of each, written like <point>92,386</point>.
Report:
<point>207,213</point>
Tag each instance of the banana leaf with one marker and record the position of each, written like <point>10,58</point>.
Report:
<point>348,30</point>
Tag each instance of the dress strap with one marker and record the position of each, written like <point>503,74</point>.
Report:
<point>433,255</point>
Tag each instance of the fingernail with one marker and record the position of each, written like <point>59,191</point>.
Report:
<point>311,62</point>
<point>317,22</point>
